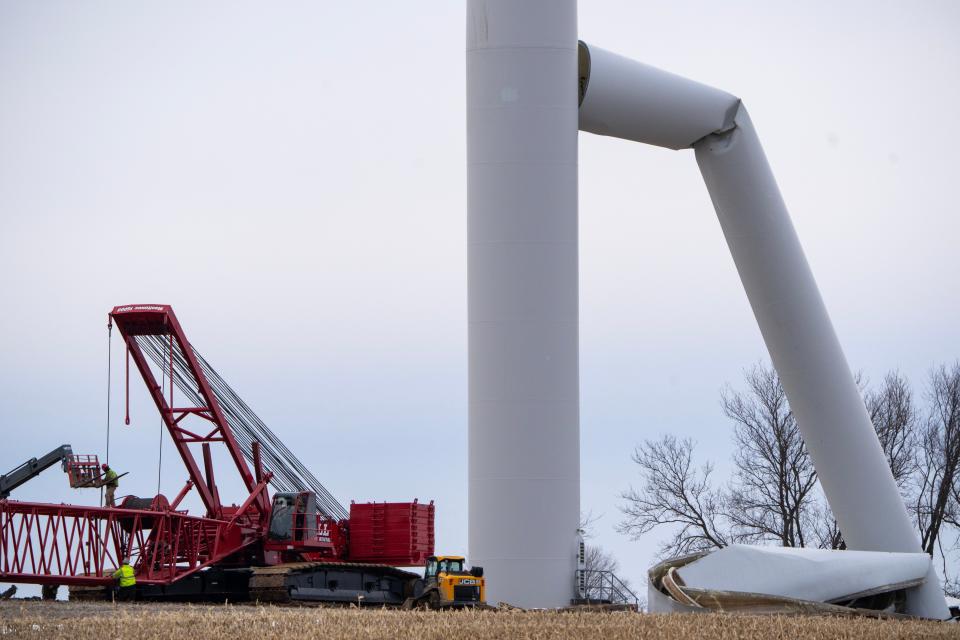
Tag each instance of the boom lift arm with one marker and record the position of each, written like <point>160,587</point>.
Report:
<point>32,468</point>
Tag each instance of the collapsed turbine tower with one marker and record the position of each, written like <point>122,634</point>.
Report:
<point>523,115</point>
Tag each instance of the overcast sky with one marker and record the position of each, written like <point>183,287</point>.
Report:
<point>291,177</point>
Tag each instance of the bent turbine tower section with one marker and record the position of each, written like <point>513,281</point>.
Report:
<point>630,100</point>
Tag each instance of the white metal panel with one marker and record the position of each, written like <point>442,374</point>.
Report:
<point>818,575</point>
<point>522,298</point>
<point>805,350</point>
<point>628,99</point>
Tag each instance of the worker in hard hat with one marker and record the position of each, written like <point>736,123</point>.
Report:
<point>111,481</point>
<point>126,581</point>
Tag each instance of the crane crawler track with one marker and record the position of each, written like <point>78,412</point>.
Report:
<point>331,583</point>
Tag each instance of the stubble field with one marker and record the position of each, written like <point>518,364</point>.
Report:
<point>92,621</point>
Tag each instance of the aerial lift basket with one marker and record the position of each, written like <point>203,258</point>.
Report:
<point>83,471</point>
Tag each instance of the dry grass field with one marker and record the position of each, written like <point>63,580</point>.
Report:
<point>92,621</point>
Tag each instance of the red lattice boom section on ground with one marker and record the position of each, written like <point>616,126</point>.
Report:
<point>73,545</point>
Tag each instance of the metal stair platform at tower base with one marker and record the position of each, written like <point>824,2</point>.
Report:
<point>603,587</point>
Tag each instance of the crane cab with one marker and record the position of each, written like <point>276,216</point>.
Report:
<point>293,517</point>
<point>299,531</point>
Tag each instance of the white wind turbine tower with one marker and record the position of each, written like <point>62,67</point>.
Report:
<point>523,117</point>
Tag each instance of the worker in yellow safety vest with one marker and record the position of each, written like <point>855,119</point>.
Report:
<point>111,481</point>
<point>126,581</point>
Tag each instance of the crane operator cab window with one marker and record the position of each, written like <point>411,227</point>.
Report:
<point>281,517</point>
<point>294,516</point>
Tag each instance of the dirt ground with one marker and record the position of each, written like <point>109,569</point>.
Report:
<point>104,621</point>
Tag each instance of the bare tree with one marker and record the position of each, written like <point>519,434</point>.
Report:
<point>772,496</point>
<point>599,559</point>
<point>938,453</point>
<point>585,526</point>
<point>827,529</point>
<point>895,419</point>
<point>595,557</point>
<point>675,493</point>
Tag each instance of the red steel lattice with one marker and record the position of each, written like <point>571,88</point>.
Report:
<point>73,545</point>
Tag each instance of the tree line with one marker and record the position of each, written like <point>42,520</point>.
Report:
<point>773,494</point>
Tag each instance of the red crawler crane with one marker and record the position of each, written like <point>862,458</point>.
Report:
<point>301,545</point>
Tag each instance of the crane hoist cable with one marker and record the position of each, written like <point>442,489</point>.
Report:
<point>109,378</point>
<point>289,473</point>
<point>163,376</point>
